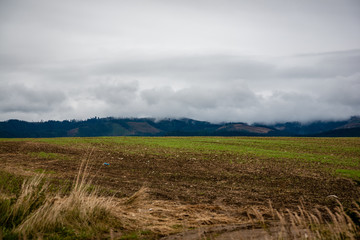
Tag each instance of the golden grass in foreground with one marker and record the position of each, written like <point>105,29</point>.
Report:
<point>81,210</point>
<point>320,223</point>
<point>271,224</point>
<point>37,212</point>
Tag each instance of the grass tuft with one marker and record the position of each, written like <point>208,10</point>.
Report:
<point>38,212</point>
<point>350,173</point>
<point>321,223</point>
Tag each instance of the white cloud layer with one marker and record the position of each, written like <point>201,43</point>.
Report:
<point>252,61</point>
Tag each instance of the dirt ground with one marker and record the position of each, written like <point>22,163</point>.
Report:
<point>185,190</point>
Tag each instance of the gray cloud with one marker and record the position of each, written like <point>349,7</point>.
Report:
<point>202,97</point>
<point>16,98</point>
<point>196,67</point>
<point>324,65</point>
<point>255,61</point>
<point>342,91</point>
<point>115,93</point>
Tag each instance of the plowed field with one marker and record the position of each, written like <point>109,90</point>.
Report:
<point>196,181</point>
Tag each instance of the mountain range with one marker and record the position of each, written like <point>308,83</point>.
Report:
<point>174,127</point>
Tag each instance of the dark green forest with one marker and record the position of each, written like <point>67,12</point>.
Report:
<point>173,127</point>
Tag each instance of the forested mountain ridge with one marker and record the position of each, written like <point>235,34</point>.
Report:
<point>174,127</point>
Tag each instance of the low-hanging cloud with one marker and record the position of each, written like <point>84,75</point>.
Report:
<point>326,65</point>
<point>113,92</point>
<point>23,99</point>
<point>202,97</point>
<point>342,91</point>
<point>204,67</point>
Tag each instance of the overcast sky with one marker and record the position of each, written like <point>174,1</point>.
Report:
<point>213,60</point>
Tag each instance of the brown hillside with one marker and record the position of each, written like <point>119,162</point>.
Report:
<point>238,127</point>
<point>142,127</point>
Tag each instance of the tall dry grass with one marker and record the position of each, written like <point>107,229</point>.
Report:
<point>318,223</point>
<point>39,212</point>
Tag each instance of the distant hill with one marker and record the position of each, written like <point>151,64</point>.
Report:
<point>174,127</point>
<point>344,132</point>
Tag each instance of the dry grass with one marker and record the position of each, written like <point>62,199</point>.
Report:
<point>163,217</point>
<point>272,224</point>
<point>83,214</point>
<point>38,212</point>
<point>319,223</point>
<point>81,210</point>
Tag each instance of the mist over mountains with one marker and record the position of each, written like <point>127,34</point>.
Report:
<point>174,127</point>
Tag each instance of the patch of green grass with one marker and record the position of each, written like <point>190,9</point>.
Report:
<point>139,235</point>
<point>129,236</point>
<point>10,184</point>
<point>49,155</point>
<point>40,170</point>
<point>30,197</point>
<point>46,155</point>
<point>350,173</point>
<point>177,226</point>
<point>15,139</point>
